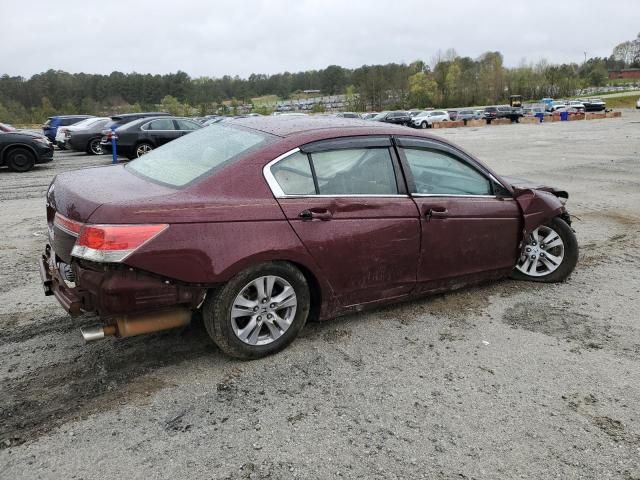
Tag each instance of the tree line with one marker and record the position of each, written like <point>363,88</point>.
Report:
<point>450,80</point>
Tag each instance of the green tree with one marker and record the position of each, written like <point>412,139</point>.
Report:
<point>171,105</point>
<point>422,90</point>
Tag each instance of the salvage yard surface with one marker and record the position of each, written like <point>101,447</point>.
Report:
<point>501,381</point>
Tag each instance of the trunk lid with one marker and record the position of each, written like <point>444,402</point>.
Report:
<point>78,194</point>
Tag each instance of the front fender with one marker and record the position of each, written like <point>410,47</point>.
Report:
<point>537,207</point>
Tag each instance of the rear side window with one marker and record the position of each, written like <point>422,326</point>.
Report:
<point>437,173</point>
<point>366,171</point>
<point>200,153</point>
<point>294,176</point>
<point>161,124</point>
<point>354,171</point>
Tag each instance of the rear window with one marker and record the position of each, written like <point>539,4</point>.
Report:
<point>197,154</point>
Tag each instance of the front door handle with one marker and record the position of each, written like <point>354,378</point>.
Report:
<point>319,214</point>
<point>437,212</point>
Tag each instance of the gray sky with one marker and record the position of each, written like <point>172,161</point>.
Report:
<point>215,38</point>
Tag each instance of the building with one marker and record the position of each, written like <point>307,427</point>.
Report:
<point>631,73</point>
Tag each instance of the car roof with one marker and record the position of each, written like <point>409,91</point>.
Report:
<point>283,126</point>
<point>141,114</point>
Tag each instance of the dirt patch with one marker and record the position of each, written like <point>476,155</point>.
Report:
<point>100,377</point>
<point>588,406</point>
<point>562,321</point>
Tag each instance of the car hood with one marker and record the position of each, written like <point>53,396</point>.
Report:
<point>28,134</point>
<point>520,184</point>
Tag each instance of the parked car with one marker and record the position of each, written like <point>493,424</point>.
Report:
<point>576,104</point>
<point>20,151</point>
<point>453,115</point>
<point>139,137</point>
<point>512,113</point>
<point>490,113</point>
<point>469,115</point>
<point>396,117</point>
<point>547,102</point>
<point>263,223</point>
<point>369,115</point>
<point>555,105</point>
<point>535,111</point>
<point>50,127</point>
<point>5,127</point>
<point>426,119</point>
<point>119,120</point>
<point>87,138</point>
<point>594,105</point>
<point>347,115</point>
<point>64,133</point>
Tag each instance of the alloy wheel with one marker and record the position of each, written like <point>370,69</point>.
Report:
<point>143,149</point>
<point>95,147</point>
<point>263,310</point>
<point>542,254</point>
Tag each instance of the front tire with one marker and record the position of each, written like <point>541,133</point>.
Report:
<point>258,312</point>
<point>20,160</point>
<point>424,125</point>
<point>550,254</point>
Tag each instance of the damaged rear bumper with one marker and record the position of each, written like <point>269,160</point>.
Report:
<point>113,292</point>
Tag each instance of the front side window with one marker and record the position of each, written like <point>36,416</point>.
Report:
<point>437,173</point>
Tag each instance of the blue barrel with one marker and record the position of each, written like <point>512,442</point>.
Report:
<point>564,116</point>
<point>540,115</point>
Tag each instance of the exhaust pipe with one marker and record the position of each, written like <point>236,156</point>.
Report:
<point>128,326</point>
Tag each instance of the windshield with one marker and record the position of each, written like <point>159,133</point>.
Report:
<point>380,115</point>
<point>192,156</point>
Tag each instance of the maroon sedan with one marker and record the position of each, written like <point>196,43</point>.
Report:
<point>263,223</point>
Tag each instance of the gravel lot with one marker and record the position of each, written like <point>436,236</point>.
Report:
<point>508,380</point>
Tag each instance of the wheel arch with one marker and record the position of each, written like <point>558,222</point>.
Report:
<point>320,291</point>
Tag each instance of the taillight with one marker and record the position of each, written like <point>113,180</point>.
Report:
<point>113,243</point>
<point>67,225</point>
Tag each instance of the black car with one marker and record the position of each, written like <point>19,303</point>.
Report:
<point>397,117</point>
<point>504,111</point>
<point>136,138</point>
<point>123,119</point>
<point>20,151</point>
<point>87,139</point>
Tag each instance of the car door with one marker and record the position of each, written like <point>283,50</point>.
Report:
<point>185,126</point>
<point>347,202</point>
<point>470,225</point>
<point>161,131</point>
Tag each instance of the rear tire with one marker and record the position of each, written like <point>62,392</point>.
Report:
<point>562,245</point>
<point>20,160</point>
<point>94,147</point>
<point>142,149</point>
<point>236,315</point>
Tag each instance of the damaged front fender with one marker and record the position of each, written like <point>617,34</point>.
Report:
<point>538,207</point>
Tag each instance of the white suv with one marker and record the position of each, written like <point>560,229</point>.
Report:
<point>426,119</point>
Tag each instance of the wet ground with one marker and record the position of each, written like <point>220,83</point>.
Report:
<point>507,380</point>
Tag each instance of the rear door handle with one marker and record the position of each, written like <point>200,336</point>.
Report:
<point>319,214</point>
<point>437,212</point>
